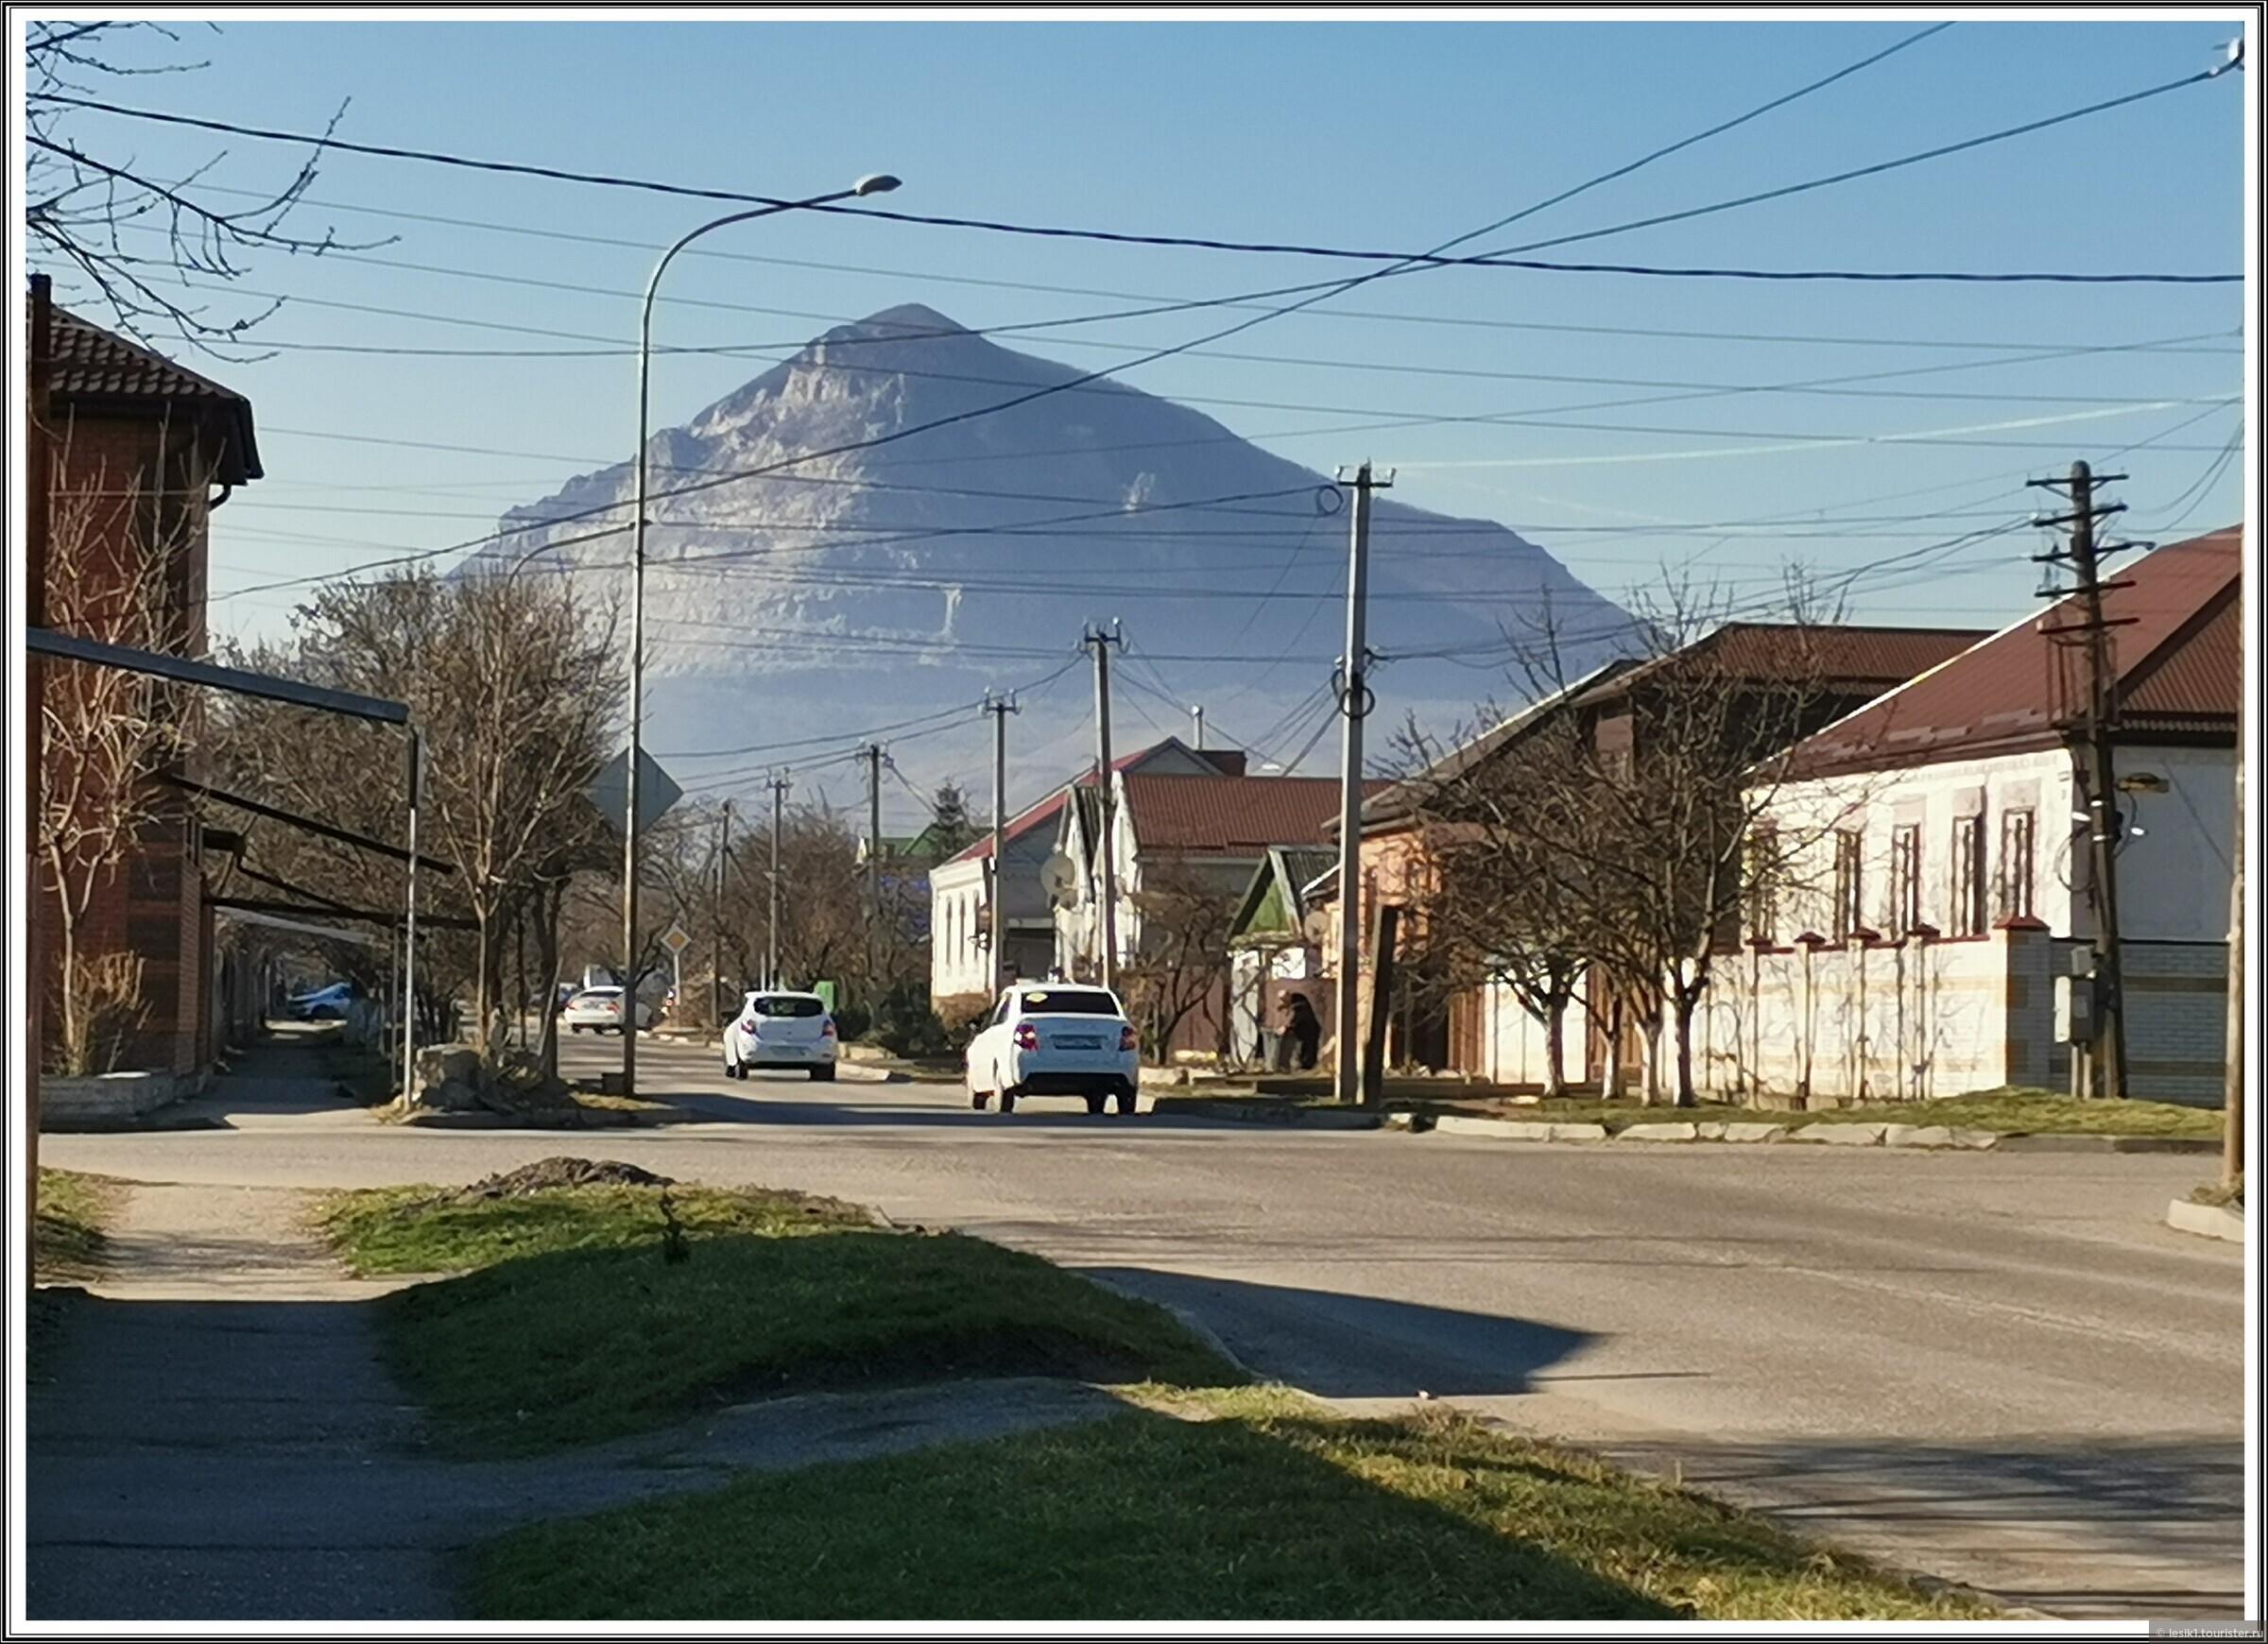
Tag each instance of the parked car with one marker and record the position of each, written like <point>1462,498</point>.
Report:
<point>1055,1040</point>
<point>600,1010</point>
<point>322,1004</point>
<point>781,1030</point>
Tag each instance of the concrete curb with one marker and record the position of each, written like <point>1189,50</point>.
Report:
<point>2048,1141</point>
<point>2209,1221</point>
<point>1929,1137</point>
<point>1266,1112</point>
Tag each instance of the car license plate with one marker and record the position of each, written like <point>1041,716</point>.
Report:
<point>1079,1042</point>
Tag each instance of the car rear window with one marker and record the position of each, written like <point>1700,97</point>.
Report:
<point>1070,1002</point>
<point>601,994</point>
<point>785,1005</point>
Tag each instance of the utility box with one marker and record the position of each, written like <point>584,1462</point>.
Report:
<point>2076,1009</point>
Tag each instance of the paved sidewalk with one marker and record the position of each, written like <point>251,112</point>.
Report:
<point>220,1440</point>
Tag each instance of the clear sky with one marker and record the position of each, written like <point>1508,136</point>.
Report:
<point>1624,423</point>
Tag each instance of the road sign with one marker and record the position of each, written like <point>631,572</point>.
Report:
<point>656,792</point>
<point>677,941</point>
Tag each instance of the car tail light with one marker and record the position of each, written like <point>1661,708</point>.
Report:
<point>748,1027</point>
<point>827,1028</point>
<point>1028,1036</point>
<point>1126,1038</point>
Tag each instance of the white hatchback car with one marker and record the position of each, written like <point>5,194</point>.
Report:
<point>781,1030</point>
<point>1055,1039</point>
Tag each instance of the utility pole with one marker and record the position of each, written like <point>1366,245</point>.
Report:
<point>2232,1088</point>
<point>1104,843</point>
<point>38,472</point>
<point>409,923</point>
<point>873,758</point>
<point>771,957</point>
<point>2098,772</point>
<point>1354,705</point>
<point>997,889</point>
<point>716,919</point>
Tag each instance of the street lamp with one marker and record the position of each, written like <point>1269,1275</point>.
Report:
<point>878,183</point>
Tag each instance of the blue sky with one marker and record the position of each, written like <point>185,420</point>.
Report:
<point>1380,133</point>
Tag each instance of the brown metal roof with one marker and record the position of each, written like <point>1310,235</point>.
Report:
<point>1231,815</point>
<point>96,368</point>
<point>2177,649</point>
<point>1230,761</point>
<point>1840,657</point>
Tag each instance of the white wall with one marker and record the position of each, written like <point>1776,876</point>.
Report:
<point>1513,1042</point>
<point>2174,879</point>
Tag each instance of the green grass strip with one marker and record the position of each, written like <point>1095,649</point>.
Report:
<point>1270,1510</point>
<point>571,1328</point>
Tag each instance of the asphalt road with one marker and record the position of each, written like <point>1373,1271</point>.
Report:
<point>2000,1368</point>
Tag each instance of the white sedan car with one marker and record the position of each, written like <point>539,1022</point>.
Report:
<point>1055,1039</point>
<point>600,1009</point>
<point>781,1030</point>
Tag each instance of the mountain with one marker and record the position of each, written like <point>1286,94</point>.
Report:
<point>798,589</point>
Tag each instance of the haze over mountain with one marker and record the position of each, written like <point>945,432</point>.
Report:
<point>820,596</point>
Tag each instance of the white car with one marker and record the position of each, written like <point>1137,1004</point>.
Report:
<point>781,1030</point>
<point>600,1010</point>
<point>1055,1039</point>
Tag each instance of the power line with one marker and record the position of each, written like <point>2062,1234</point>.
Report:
<point>1431,258</point>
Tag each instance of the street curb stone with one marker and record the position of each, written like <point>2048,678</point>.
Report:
<point>2210,1220</point>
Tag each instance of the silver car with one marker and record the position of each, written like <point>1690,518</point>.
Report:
<point>776,1029</point>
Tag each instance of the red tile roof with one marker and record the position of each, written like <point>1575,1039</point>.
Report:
<point>94,365</point>
<point>1050,807</point>
<point>1232,816</point>
<point>1839,656</point>
<point>2177,649</point>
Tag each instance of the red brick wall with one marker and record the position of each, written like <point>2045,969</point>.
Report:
<point>154,903</point>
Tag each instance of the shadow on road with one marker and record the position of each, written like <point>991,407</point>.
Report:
<point>1351,1346</point>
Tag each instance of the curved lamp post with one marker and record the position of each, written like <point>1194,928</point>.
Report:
<point>865,185</point>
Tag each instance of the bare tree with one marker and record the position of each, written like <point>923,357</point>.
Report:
<point>516,686</point>
<point>116,545</point>
<point>142,239</point>
<point>1183,954</point>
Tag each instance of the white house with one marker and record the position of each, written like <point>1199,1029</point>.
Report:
<point>1943,883</point>
<point>960,966</point>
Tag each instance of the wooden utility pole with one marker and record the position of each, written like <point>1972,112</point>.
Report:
<point>2097,764</point>
<point>1354,705</point>
<point>996,889</point>
<point>1105,853</point>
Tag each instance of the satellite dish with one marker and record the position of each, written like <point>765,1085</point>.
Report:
<point>1318,927</point>
<point>1060,878</point>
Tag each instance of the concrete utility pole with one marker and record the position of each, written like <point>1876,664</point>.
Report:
<point>873,757</point>
<point>2098,770</point>
<point>1354,705</point>
<point>409,921</point>
<point>716,919</point>
<point>996,894</point>
<point>1104,852</point>
<point>771,957</point>
<point>2232,1087</point>
<point>38,472</point>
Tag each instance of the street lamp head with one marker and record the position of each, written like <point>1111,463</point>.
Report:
<point>879,182</point>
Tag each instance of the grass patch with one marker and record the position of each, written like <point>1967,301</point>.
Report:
<point>570,1328</point>
<point>1262,1508</point>
<point>68,1238</point>
<point>2010,1112</point>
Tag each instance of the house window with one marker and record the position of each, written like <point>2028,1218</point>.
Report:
<point>2015,865</point>
<point>1905,879</point>
<point>1764,884</point>
<point>1850,883</point>
<point>1968,876</point>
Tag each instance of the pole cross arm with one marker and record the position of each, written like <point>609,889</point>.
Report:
<point>190,672</point>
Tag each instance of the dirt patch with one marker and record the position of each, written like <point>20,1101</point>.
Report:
<point>546,1174</point>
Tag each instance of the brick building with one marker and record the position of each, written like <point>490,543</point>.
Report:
<point>137,451</point>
